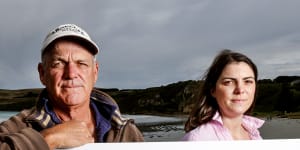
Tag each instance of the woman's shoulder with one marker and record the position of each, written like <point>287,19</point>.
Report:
<point>253,122</point>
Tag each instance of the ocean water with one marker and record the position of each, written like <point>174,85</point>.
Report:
<point>162,128</point>
<point>4,115</point>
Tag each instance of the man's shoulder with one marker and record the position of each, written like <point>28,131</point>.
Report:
<point>25,113</point>
<point>103,97</point>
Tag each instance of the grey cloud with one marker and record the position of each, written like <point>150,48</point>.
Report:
<point>148,43</point>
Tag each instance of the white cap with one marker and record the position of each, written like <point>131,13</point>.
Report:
<point>70,30</point>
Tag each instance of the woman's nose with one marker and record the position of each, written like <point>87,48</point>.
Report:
<point>239,89</point>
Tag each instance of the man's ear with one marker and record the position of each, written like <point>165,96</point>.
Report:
<point>41,73</point>
<point>96,71</point>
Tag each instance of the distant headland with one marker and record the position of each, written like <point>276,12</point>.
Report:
<point>280,96</point>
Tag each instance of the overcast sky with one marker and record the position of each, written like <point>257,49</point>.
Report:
<point>148,43</point>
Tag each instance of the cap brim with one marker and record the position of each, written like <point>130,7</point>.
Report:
<point>89,44</point>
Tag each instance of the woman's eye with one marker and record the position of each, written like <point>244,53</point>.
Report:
<point>227,82</point>
<point>249,81</point>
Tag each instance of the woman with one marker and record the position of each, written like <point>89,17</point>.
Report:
<point>226,100</point>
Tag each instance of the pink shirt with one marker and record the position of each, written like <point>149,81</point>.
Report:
<point>214,130</point>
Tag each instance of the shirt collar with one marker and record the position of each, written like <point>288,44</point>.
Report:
<point>248,122</point>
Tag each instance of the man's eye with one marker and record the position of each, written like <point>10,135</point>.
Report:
<point>57,64</point>
<point>83,64</point>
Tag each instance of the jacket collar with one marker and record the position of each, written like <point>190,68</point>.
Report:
<point>104,107</point>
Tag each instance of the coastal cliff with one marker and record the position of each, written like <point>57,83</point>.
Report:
<point>281,94</point>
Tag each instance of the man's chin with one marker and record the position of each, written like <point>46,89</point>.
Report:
<point>74,97</point>
<point>72,89</point>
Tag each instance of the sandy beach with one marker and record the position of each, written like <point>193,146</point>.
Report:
<point>281,128</point>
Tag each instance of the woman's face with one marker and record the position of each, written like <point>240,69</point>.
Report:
<point>235,89</point>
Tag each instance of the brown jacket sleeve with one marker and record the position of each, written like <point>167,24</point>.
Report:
<point>15,134</point>
<point>126,133</point>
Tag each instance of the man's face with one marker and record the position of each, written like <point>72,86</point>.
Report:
<point>69,73</point>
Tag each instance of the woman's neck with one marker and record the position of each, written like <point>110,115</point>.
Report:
<point>235,127</point>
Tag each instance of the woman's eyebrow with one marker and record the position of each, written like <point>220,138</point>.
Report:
<point>232,78</point>
<point>251,77</point>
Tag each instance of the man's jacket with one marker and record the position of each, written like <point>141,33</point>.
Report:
<point>22,130</point>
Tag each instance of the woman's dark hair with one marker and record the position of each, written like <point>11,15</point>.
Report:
<point>206,106</point>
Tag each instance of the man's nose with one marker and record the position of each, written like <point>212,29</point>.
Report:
<point>70,71</point>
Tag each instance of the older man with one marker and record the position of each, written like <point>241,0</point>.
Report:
<point>69,111</point>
